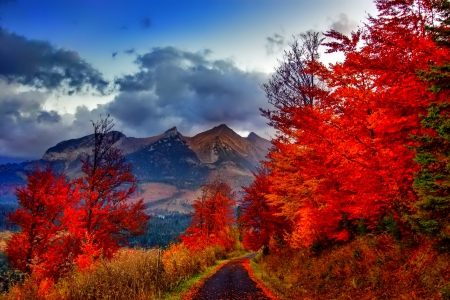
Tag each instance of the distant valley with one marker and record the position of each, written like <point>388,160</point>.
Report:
<point>170,167</point>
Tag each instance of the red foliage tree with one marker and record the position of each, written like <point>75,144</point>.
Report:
<point>76,222</point>
<point>213,218</point>
<point>42,246</point>
<point>342,159</point>
<point>260,220</point>
<point>105,218</point>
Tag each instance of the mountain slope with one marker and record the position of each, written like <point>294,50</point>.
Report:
<point>259,143</point>
<point>170,167</point>
<point>221,144</point>
<point>168,160</point>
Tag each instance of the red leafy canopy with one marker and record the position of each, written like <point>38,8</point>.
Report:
<point>63,223</point>
<point>342,157</point>
<point>105,218</point>
<point>213,218</point>
<point>43,244</point>
<point>261,221</point>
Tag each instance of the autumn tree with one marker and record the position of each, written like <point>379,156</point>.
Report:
<point>65,223</point>
<point>42,247</point>
<point>213,218</point>
<point>261,221</point>
<point>343,160</point>
<point>294,82</point>
<point>106,218</point>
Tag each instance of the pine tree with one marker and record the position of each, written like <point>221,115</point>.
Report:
<point>432,183</point>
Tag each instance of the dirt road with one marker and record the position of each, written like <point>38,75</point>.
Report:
<point>232,282</point>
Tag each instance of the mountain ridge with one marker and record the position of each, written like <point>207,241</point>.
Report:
<point>170,167</point>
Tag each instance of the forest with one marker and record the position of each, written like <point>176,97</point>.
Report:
<point>357,183</point>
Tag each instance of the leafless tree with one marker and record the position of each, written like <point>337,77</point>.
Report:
<point>294,80</point>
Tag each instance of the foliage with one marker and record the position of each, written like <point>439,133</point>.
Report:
<point>5,210</point>
<point>42,247</point>
<point>105,218</point>
<point>65,224</point>
<point>8,276</point>
<point>432,183</point>
<point>342,153</point>
<point>342,169</point>
<point>162,230</point>
<point>130,274</point>
<point>260,221</point>
<point>213,218</point>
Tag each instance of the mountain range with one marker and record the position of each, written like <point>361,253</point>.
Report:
<point>170,167</point>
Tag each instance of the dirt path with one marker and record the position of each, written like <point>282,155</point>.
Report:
<point>231,282</point>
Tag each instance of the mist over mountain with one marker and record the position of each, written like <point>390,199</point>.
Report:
<point>170,167</point>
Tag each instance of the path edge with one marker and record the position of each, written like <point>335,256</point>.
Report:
<point>198,285</point>
<point>252,276</point>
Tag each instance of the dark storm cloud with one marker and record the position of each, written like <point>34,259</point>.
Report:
<point>48,117</point>
<point>38,64</point>
<point>343,24</point>
<point>275,43</point>
<point>188,90</point>
<point>28,129</point>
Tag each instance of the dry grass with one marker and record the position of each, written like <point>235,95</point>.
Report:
<point>371,267</point>
<point>131,274</point>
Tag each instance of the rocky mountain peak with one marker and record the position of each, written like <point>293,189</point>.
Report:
<point>172,132</point>
<point>252,135</point>
<point>258,142</point>
<point>222,127</point>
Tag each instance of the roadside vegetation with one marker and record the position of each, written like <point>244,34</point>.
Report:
<point>368,267</point>
<point>131,274</point>
<point>354,199</point>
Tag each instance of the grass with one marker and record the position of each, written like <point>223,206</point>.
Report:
<point>270,282</point>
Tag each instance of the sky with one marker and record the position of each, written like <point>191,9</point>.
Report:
<point>149,64</point>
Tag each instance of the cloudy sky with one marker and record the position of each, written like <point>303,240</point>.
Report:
<point>150,64</point>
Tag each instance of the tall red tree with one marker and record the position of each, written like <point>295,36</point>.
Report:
<point>42,246</point>
<point>106,218</point>
<point>213,218</point>
<point>76,222</point>
<point>261,221</point>
<point>343,158</point>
